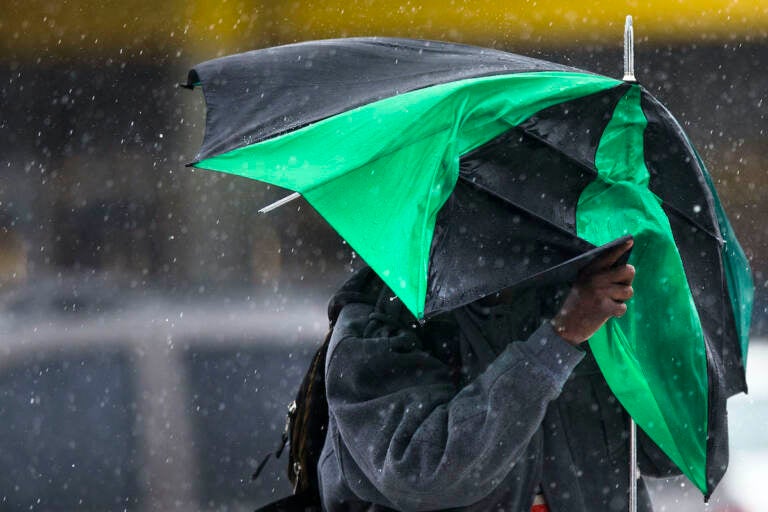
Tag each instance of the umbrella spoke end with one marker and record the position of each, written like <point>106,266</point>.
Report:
<point>279,203</point>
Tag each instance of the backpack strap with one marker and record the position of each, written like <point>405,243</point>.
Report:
<point>307,418</point>
<point>308,424</point>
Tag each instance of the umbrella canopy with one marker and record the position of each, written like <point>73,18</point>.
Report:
<point>457,171</point>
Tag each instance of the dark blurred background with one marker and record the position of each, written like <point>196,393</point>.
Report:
<point>163,321</point>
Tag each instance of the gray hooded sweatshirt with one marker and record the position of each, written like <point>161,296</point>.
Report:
<point>473,410</point>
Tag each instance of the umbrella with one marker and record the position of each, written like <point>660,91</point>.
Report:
<point>456,172</point>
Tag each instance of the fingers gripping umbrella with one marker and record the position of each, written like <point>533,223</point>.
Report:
<point>456,172</point>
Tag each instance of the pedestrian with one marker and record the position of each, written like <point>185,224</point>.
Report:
<point>495,406</point>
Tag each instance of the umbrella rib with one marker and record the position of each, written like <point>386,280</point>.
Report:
<point>576,161</point>
<point>560,152</point>
<point>535,215</point>
<point>695,224</point>
<point>594,173</point>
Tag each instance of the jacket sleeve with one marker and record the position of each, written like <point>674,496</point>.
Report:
<point>422,441</point>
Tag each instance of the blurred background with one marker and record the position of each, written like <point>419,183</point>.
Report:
<point>153,326</point>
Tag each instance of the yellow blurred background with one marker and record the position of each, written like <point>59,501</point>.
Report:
<point>212,28</point>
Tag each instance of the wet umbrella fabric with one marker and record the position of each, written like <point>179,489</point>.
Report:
<point>457,171</point>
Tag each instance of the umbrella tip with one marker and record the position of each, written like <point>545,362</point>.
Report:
<point>629,51</point>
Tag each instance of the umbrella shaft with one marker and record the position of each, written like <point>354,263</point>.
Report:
<point>632,466</point>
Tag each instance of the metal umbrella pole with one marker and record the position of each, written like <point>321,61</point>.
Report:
<point>629,76</point>
<point>633,473</point>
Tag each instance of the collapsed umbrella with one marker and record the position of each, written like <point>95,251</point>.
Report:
<point>457,171</point>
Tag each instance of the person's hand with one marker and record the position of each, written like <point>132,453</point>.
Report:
<point>598,294</point>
